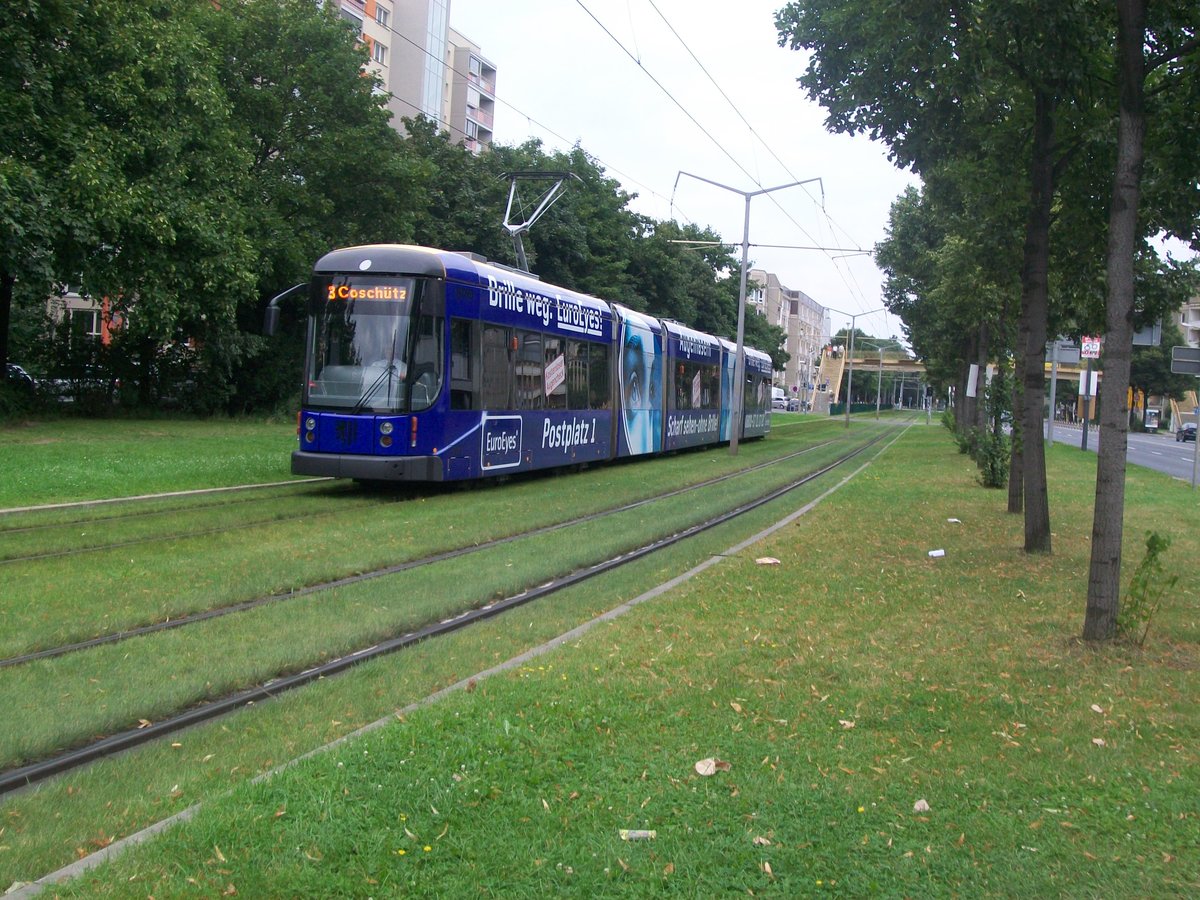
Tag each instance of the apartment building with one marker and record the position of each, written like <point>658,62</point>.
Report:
<point>427,68</point>
<point>470,108</point>
<point>1188,319</point>
<point>803,319</point>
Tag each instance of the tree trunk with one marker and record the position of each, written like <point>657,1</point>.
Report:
<point>1032,341</point>
<point>968,418</point>
<point>1104,575</point>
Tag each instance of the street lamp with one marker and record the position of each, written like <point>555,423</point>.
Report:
<point>739,366</point>
<point>850,352</point>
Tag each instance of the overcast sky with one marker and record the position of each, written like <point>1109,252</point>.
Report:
<point>562,79</point>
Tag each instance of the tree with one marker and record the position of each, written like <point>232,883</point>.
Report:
<point>321,168</point>
<point>946,82</point>
<point>1174,36</point>
<point>31,219</point>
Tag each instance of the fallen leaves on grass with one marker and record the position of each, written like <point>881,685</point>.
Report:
<point>767,561</point>
<point>921,806</point>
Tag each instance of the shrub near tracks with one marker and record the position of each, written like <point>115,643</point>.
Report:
<point>68,699</point>
<point>842,687</point>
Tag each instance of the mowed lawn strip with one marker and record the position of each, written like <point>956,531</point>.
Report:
<point>892,723</point>
<point>64,818</point>
<point>73,459</point>
<point>110,688</point>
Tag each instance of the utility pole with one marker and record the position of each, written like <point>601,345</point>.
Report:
<point>850,352</point>
<point>739,366</point>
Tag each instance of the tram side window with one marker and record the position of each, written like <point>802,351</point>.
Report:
<point>497,368</point>
<point>578,361</point>
<point>426,367</point>
<point>530,377</point>
<point>464,356</point>
<point>750,392</point>
<point>554,350</point>
<point>683,385</point>
<point>599,377</point>
<point>756,394</point>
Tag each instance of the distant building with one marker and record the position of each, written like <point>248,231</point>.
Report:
<point>805,321</point>
<point>427,69</point>
<point>471,93</point>
<point>87,319</point>
<point>1188,318</point>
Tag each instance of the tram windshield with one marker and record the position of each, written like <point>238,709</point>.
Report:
<point>369,347</point>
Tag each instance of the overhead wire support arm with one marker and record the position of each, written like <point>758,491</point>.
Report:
<point>848,251</point>
<point>739,368</point>
<point>516,229</point>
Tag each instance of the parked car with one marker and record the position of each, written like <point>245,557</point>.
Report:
<point>20,379</point>
<point>1186,432</point>
<point>794,405</point>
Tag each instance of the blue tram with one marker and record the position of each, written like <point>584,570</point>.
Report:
<point>426,365</point>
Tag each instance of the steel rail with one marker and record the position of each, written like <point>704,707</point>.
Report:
<point>254,603</point>
<point>24,776</point>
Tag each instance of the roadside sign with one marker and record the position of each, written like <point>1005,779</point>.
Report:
<point>1066,351</point>
<point>1089,347</point>
<point>1150,336</point>
<point>1185,360</point>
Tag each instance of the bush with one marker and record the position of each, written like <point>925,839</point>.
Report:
<point>1146,590</point>
<point>992,455</point>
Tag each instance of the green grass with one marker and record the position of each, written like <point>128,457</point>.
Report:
<point>83,459</point>
<point>334,536</point>
<point>961,678</point>
<point>155,675</point>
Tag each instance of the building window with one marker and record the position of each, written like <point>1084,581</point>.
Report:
<point>353,18</point>
<point>85,322</point>
<point>381,16</point>
<point>379,53</point>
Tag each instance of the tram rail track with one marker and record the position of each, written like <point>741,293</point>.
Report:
<point>16,778</point>
<point>142,498</point>
<point>408,565</point>
<point>150,539</point>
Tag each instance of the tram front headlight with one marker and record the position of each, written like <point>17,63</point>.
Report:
<point>385,428</point>
<point>310,424</point>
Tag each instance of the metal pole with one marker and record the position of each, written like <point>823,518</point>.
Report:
<point>1053,391</point>
<point>850,351</point>
<point>879,383</point>
<point>1087,406</point>
<point>1196,446</point>
<point>850,374</point>
<point>739,366</point>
